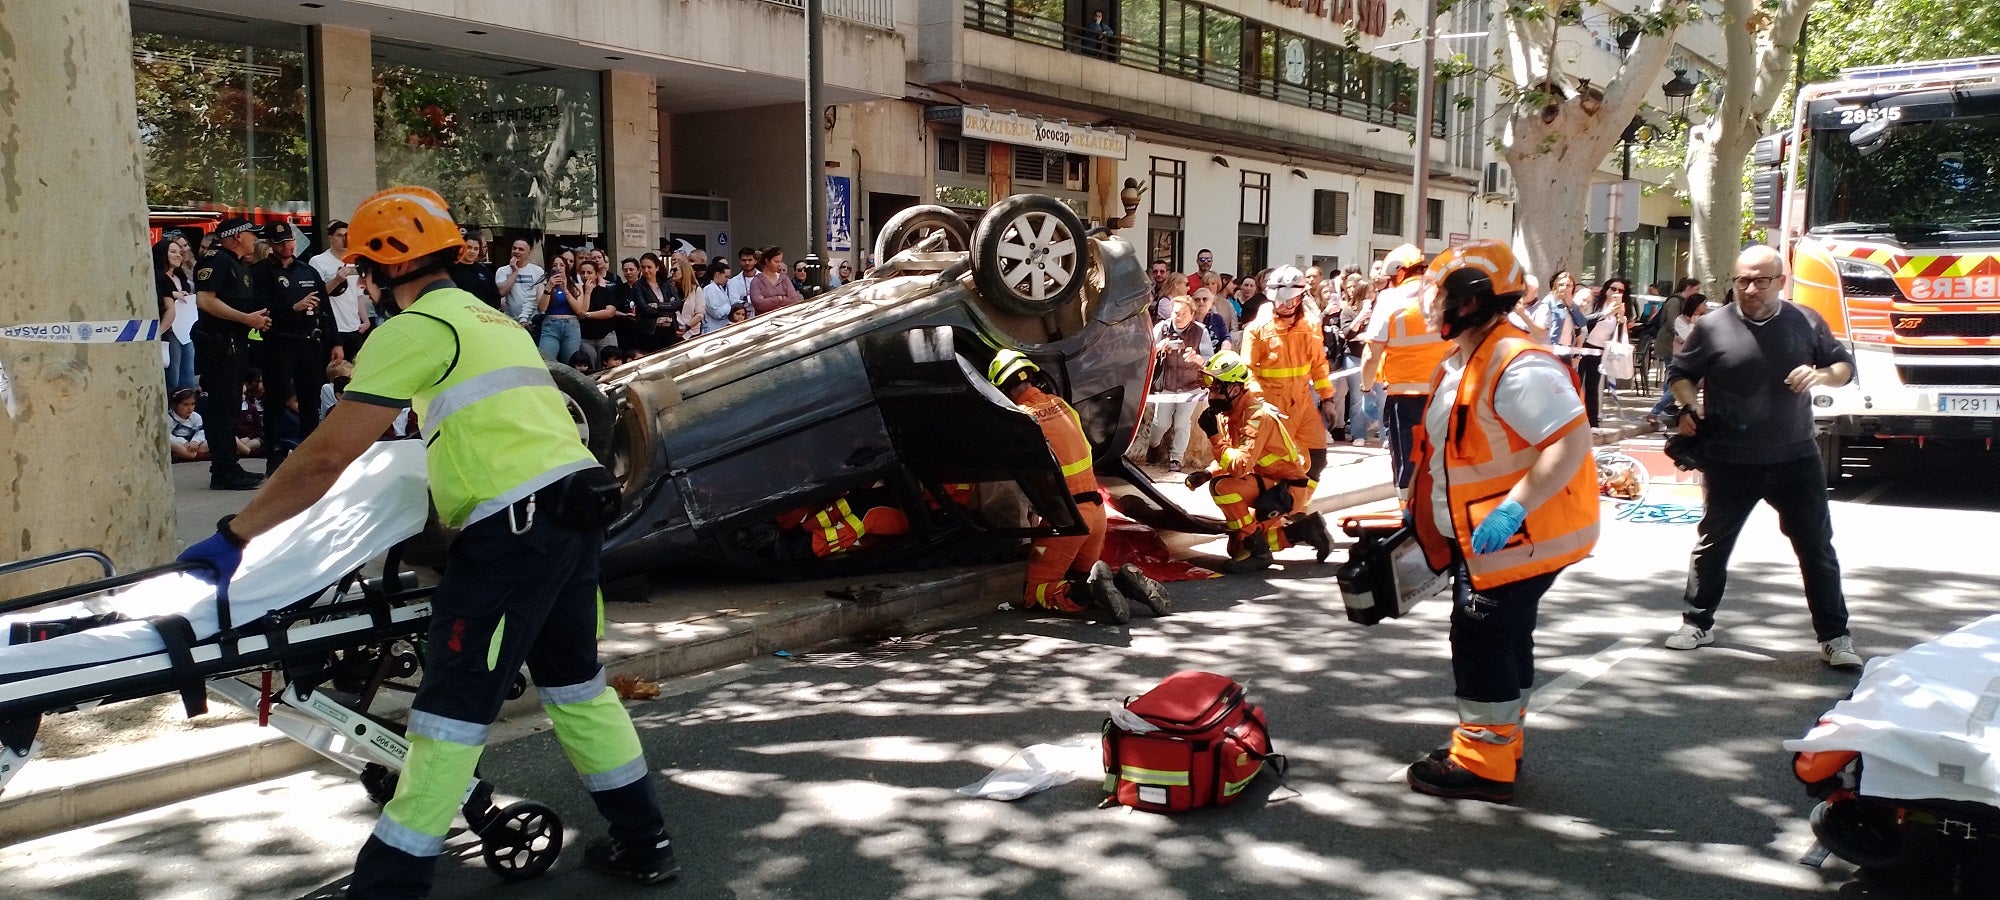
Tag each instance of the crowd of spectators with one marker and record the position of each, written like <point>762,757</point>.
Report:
<point>580,308</point>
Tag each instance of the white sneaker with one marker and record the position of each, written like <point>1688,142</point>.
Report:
<point>1840,654</point>
<point>1690,637</point>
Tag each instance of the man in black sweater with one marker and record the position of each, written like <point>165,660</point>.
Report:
<point>1756,361</point>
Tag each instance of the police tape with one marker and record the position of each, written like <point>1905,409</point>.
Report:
<point>110,331</point>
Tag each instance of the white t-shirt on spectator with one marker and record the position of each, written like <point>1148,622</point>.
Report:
<point>1535,398</point>
<point>520,299</point>
<point>347,306</point>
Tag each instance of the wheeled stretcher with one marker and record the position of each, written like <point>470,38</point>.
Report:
<point>1907,769</point>
<point>321,641</point>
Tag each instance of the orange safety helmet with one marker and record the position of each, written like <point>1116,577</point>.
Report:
<point>401,224</point>
<point>1491,258</point>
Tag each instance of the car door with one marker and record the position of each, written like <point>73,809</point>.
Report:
<point>949,425</point>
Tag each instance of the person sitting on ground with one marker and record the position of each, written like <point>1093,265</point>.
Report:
<point>185,436</point>
<point>1258,471</point>
<point>250,419</point>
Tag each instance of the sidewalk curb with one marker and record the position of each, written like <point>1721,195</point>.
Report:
<point>653,651</point>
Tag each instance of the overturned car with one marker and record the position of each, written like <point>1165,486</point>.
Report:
<point>735,448</point>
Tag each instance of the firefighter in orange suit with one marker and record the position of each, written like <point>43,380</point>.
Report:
<point>1287,353</point>
<point>1403,350</point>
<point>1505,497</point>
<point>1060,566</point>
<point>1256,472</point>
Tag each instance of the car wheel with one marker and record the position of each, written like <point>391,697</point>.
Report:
<point>588,408</point>
<point>913,226</point>
<point>1030,255</point>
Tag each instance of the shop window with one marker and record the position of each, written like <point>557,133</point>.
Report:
<point>947,154</point>
<point>1330,212</point>
<point>1433,218</point>
<point>975,158</point>
<point>1388,213</point>
<point>225,123</point>
<point>1253,248</point>
<point>1163,240</point>
<point>509,149</point>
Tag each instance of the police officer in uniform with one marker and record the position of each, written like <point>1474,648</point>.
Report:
<point>229,310</point>
<point>296,346</point>
<point>520,582</point>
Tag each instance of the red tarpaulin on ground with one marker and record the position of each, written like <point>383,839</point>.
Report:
<point>1131,542</point>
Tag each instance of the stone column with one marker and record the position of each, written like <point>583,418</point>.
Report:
<point>83,452</point>
<point>343,86</point>
<point>631,163</point>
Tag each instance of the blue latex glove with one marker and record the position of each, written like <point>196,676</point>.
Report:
<point>1500,524</point>
<point>1409,516</point>
<point>218,554</point>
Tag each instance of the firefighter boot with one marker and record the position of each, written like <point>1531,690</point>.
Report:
<point>1246,555</point>
<point>1105,597</point>
<point>1140,589</point>
<point>1312,530</point>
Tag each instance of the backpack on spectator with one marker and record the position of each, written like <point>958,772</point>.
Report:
<point>1191,741</point>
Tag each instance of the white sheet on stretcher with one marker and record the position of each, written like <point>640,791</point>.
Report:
<point>1926,721</point>
<point>379,500</point>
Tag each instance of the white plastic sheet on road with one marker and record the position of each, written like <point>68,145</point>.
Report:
<point>1040,767</point>
<point>1926,721</point>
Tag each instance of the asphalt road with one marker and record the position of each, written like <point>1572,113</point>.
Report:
<point>1650,773</point>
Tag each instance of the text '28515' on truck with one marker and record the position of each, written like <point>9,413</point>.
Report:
<point>1887,194</point>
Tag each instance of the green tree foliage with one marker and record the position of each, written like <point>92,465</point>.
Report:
<point>1874,32</point>
<point>222,125</point>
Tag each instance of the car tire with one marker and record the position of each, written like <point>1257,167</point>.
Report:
<point>1030,255</point>
<point>910,227</point>
<point>588,408</point>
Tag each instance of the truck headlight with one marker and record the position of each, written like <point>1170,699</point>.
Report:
<point>1858,268</point>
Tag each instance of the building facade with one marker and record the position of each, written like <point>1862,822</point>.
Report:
<point>1265,131</point>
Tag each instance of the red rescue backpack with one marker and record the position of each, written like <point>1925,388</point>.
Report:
<point>1210,743</point>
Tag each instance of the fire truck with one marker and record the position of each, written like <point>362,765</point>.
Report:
<point>1886,194</point>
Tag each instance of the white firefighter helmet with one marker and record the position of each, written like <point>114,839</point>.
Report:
<point>1285,285</point>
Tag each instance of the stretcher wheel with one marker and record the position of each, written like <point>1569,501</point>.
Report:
<point>1863,834</point>
<point>379,781</point>
<point>521,840</point>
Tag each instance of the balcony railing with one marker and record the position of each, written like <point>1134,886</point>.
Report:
<point>872,13</point>
<point>999,17</point>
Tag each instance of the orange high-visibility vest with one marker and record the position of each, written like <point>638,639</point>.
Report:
<point>837,529</point>
<point>1064,431</point>
<point>1414,351</point>
<point>1483,460</point>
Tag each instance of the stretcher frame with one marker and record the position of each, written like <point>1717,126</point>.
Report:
<point>309,644</point>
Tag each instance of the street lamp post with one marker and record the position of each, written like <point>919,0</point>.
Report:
<point>815,154</point>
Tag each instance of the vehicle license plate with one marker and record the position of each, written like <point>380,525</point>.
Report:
<point>1977,404</point>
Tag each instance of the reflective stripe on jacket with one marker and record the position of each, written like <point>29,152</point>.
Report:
<point>1287,359</point>
<point>1410,361</point>
<point>495,427</point>
<point>1483,460</point>
<point>1257,441</point>
<point>1064,431</point>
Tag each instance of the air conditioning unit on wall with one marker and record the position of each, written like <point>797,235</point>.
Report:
<point>1496,185</point>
